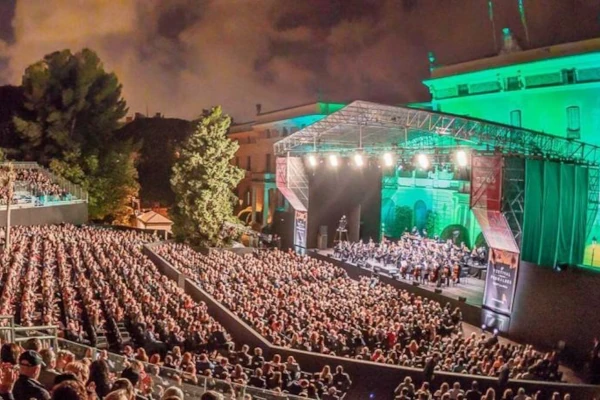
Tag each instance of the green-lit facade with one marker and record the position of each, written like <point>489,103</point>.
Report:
<point>554,90</point>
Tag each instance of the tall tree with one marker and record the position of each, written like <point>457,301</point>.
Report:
<point>72,108</point>
<point>203,180</point>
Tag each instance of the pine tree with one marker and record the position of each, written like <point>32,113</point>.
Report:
<point>203,180</point>
<point>72,108</point>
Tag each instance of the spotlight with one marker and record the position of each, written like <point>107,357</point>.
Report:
<point>483,327</point>
<point>312,160</point>
<point>423,161</point>
<point>496,331</point>
<point>333,160</point>
<point>461,158</point>
<point>388,159</point>
<point>358,160</point>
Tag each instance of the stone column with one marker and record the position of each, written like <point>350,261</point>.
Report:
<point>265,209</point>
<point>253,204</point>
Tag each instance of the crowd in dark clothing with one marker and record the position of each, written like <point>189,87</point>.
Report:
<point>300,302</point>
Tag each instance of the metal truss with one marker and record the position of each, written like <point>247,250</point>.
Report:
<point>375,128</point>
<point>513,196</point>
<point>297,179</point>
<point>593,198</point>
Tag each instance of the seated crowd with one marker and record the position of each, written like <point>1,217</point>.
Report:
<point>91,282</point>
<point>300,302</point>
<point>407,390</point>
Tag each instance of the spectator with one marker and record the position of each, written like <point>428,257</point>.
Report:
<point>27,386</point>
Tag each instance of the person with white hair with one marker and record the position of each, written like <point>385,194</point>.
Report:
<point>172,392</point>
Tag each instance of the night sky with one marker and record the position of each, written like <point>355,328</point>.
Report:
<point>180,56</point>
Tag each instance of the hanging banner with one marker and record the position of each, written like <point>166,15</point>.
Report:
<point>486,182</point>
<point>501,281</point>
<point>300,229</point>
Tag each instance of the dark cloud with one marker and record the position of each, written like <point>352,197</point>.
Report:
<point>180,56</point>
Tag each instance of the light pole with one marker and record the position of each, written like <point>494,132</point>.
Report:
<point>9,182</point>
<point>594,242</point>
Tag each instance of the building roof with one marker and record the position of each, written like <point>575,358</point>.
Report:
<point>519,57</point>
<point>267,117</point>
<point>151,217</point>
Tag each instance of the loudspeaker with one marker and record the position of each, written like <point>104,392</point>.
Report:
<point>415,283</point>
<point>438,291</point>
<point>462,299</point>
<point>322,241</point>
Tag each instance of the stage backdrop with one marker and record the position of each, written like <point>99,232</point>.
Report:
<point>348,191</point>
<point>554,220</point>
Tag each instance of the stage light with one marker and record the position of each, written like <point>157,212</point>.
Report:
<point>312,160</point>
<point>423,161</point>
<point>358,160</point>
<point>462,158</point>
<point>496,331</point>
<point>333,160</point>
<point>388,159</point>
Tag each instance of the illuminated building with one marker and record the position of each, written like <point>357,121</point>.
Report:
<point>257,192</point>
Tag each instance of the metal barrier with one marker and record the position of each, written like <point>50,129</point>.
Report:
<point>166,377</point>
<point>7,328</point>
<point>161,376</point>
<point>75,190</point>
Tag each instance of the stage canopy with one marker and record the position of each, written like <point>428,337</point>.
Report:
<point>377,128</point>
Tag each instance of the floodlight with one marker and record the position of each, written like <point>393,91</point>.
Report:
<point>423,161</point>
<point>388,159</point>
<point>461,158</point>
<point>312,160</point>
<point>333,160</point>
<point>358,160</point>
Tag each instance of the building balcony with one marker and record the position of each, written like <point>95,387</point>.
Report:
<point>262,176</point>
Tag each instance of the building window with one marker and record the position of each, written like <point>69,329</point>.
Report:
<point>568,76</point>
<point>248,163</point>
<point>573,122</point>
<point>268,164</point>
<point>513,83</point>
<point>515,118</point>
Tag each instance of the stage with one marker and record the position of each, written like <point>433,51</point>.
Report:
<point>470,287</point>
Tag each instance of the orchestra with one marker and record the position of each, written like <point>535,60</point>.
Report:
<point>425,260</point>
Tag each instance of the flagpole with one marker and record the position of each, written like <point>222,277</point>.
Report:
<point>491,15</point>
<point>524,19</point>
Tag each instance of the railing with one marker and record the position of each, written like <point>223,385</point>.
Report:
<point>161,376</point>
<point>75,190</point>
<point>166,377</point>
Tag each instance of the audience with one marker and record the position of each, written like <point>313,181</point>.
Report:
<point>299,302</point>
<point>95,283</point>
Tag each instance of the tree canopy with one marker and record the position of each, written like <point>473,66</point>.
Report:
<point>203,181</point>
<point>72,108</point>
<point>160,140</point>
